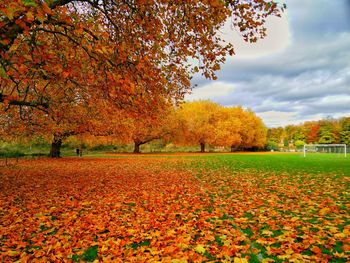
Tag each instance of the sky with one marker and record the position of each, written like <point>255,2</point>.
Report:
<point>300,72</point>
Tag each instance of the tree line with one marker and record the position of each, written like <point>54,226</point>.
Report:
<point>199,123</point>
<point>326,131</point>
<point>73,67</point>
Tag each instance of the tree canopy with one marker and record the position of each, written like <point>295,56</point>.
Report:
<point>122,48</point>
<point>208,123</point>
<point>326,131</point>
<point>72,62</point>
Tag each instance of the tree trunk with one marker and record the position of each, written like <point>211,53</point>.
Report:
<point>56,144</point>
<point>137,147</point>
<point>233,148</point>
<point>202,147</point>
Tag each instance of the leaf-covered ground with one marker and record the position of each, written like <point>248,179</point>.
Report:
<point>171,210</point>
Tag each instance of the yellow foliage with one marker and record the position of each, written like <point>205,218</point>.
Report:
<point>200,249</point>
<point>205,122</point>
<point>240,260</point>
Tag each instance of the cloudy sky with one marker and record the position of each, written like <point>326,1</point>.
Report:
<point>300,72</point>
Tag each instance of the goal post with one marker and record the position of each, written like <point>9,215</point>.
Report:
<point>325,148</point>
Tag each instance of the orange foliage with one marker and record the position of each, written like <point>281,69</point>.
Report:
<point>254,132</point>
<point>229,127</point>
<point>150,209</point>
<point>65,65</point>
<point>205,122</point>
<point>195,123</point>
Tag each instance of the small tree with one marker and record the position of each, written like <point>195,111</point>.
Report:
<point>299,144</point>
<point>272,146</point>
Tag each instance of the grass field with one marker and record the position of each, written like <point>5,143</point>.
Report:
<point>177,208</point>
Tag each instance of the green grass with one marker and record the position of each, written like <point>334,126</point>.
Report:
<point>279,163</point>
<point>283,198</point>
<point>335,164</point>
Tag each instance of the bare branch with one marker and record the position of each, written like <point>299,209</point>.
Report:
<point>34,104</point>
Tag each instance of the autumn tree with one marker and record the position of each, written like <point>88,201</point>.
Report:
<point>196,123</point>
<point>146,128</point>
<point>299,144</point>
<point>122,128</point>
<point>205,122</point>
<point>294,133</point>
<point>127,53</point>
<point>55,125</point>
<point>239,129</point>
<point>71,100</point>
<point>312,136</point>
<point>325,131</point>
<point>344,133</point>
<point>254,132</point>
<point>229,127</point>
<point>276,134</point>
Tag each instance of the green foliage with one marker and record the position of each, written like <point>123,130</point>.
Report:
<point>272,145</point>
<point>327,138</point>
<point>299,136</point>
<point>10,150</point>
<point>327,131</point>
<point>299,144</point>
<point>35,148</point>
<point>31,3</point>
<point>102,147</point>
<point>39,142</point>
<point>275,134</point>
<point>89,255</point>
<point>3,72</point>
<point>144,243</point>
<point>345,124</point>
<point>345,137</point>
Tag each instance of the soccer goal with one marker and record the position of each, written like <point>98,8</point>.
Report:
<point>325,148</point>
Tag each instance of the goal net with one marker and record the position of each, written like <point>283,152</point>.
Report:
<point>325,148</point>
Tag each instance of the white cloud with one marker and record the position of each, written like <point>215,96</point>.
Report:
<point>277,118</point>
<point>307,79</point>
<point>211,91</point>
<point>277,39</point>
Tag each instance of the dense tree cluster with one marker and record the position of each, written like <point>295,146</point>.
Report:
<point>327,131</point>
<point>199,123</point>
<point>205,122</point>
